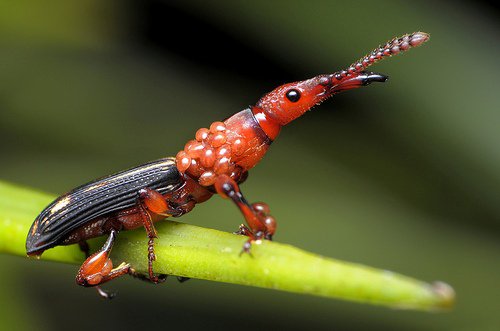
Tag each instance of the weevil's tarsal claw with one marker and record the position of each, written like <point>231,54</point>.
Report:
<point>105,294</point>
<point>243,230</point>
<point>182,279</point>
<point>246,248</point>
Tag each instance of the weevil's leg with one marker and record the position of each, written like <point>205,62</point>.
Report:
<point>105,294</point>
<point>261,224</point>
<point>145,278</point>
<point>181,279</point>
<point>132,272</point>
<point>243,230</point>
<point>151,201</point>
<point>98,268</point>
<point>84,247</point>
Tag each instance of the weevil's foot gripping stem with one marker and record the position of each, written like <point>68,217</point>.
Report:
<point>256,236</point>
<point>155,279</point>
<point>261,225</point>
<point>160,278</point>
<point>98,268</point>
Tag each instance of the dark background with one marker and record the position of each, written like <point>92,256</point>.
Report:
<point>402,176</point>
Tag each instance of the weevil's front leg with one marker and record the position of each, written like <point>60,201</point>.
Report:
<point>261,225</point>
<point>151,201</point>
<point>98,268</point>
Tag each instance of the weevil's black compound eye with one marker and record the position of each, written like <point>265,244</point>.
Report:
<point>293,95</point>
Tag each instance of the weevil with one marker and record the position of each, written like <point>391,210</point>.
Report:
<point>217,161</point>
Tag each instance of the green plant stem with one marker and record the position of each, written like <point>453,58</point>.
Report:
<point>195,252</point>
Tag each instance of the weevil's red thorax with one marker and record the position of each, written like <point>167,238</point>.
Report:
<point>230,148</point>
<point>238,144</point>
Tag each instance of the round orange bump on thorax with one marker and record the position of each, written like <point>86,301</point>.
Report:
<point>207,159</point>
<point>210,154</point>
<point>183,161</point>
<point>216,127</point>
<point>239,145</point>
<point>202,134</point>
<point>227,148</point>
<point>218,139</point>
<point>207,178</point>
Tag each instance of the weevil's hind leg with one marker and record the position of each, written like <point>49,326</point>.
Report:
<point>151,201</point>
<point>261,225</point>
<point>98,268</point>
<point>181,279</point>
<point>84,247</point>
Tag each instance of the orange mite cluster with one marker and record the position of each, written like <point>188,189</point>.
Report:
<point>211,153</point>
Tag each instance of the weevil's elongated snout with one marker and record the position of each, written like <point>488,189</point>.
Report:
<point>290,101</point>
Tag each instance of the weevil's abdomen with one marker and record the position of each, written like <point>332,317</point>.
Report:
<point>88,206</point>
<point>230,147</point>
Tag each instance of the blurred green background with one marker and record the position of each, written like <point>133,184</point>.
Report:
<point>403,176</point>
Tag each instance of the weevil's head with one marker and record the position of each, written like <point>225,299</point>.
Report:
<point>290,101</point>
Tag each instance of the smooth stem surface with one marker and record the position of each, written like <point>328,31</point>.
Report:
<point>196,252</point>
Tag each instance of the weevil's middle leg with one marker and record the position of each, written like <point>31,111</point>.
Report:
<point>151,201</point>
<point>98,268</point>
<point>261,225</point>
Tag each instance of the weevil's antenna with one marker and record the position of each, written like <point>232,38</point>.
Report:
<point>392,47</point>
